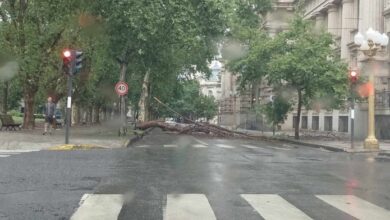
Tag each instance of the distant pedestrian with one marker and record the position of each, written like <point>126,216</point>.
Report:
<point>49,112</point>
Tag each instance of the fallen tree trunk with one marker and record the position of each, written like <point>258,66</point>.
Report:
<point>205,128</point>
<point>191,128</point>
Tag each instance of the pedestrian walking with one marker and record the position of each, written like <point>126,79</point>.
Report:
<point>49,112</point>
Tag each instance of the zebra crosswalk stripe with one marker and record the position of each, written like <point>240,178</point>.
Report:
<point>188,207</point>
<point>249,146</point>
<point>142,146</point>
<point>4,155</point>
<point>356,207</point>
<point>199,146</point>
<point>99,207</point>
<point>225,146</point>
<point>274,207</point>
<point>170,145</point>
<point>197,206</point>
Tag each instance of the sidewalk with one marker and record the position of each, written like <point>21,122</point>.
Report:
<point>339,144</point>
<point>98,136</point>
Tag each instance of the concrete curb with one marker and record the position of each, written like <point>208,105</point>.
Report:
<point>69,147</point>
<point>330,148</point>
<point>386,153</point>
<point>327,147</point>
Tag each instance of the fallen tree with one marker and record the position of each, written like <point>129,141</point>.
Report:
<point>192,127</point>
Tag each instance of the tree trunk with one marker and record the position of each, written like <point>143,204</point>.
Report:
<point>29,104</point>
<point>273,129</point>
<point>298,119</point>
<point>122,104</point>
<point>143,105</point>
<point>5,97</point>
<point>104,113</point>
<point>75,114</point>
<point>89,115</point>
<point>97,115</point>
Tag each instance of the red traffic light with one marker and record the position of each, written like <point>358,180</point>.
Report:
<point>353,76</point>
<point>67,53</point>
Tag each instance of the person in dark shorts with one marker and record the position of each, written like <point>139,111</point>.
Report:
<point>49,112</point>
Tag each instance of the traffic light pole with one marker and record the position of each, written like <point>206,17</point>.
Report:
<point>68,109</point>
<point>352,116</point>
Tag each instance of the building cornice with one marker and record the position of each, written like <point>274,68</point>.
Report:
<point>323,6</point>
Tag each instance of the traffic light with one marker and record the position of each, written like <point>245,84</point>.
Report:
<point>72,61</point>
<point>79,60</point>
<point>67,61</point>
<point>353,76</point>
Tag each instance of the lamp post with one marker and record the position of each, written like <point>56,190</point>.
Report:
<point>370,45</point>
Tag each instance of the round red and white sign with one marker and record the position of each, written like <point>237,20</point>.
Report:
<point>121,88</point>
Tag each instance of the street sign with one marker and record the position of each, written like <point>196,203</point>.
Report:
<point>271,98</point>
<point>121,88</point>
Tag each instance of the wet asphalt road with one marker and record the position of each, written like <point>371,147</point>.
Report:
<point>49,184</point>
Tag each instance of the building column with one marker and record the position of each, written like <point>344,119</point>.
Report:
<point>310,120</point>
<point>371,15</point>
<point>320,21</point>
<point>347,26</point>
<point>321,121</point>
<point>332,19</point>
<point>335,120</point>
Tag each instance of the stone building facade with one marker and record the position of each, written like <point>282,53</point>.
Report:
<point>343,19</point>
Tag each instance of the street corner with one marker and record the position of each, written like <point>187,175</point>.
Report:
<point>69,147</point>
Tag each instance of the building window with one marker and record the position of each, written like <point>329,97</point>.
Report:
<point>315,123</point>
<point>328,123</point>
<point>343,124</point>
<point>304,122</point>
<point>210,93</point>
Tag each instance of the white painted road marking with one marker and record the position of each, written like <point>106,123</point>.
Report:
<point>278,148</point>
<point>249,146</point>
<point>188,207</point>
<point>170,145</point>
<point>199,146</point>
<point>99,207</point>
<point>16,151</point>
<point>274,207</point>
<point>143,146</point>
<point>356,207</point>
<point>8,153</point>
<point>200,142</point>
<point>225,146</point>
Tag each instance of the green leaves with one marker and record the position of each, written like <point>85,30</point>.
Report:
<point>302,61</point>
<point>187,100</point>
<point>276,111</point>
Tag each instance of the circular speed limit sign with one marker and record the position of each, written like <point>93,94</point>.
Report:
<point>121,88</point>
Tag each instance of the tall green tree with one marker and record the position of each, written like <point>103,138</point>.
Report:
<point>304,59</point>
<point>32,30</point>
<point>159,40</point>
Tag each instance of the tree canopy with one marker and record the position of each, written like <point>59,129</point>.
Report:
<point>302,61</point>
